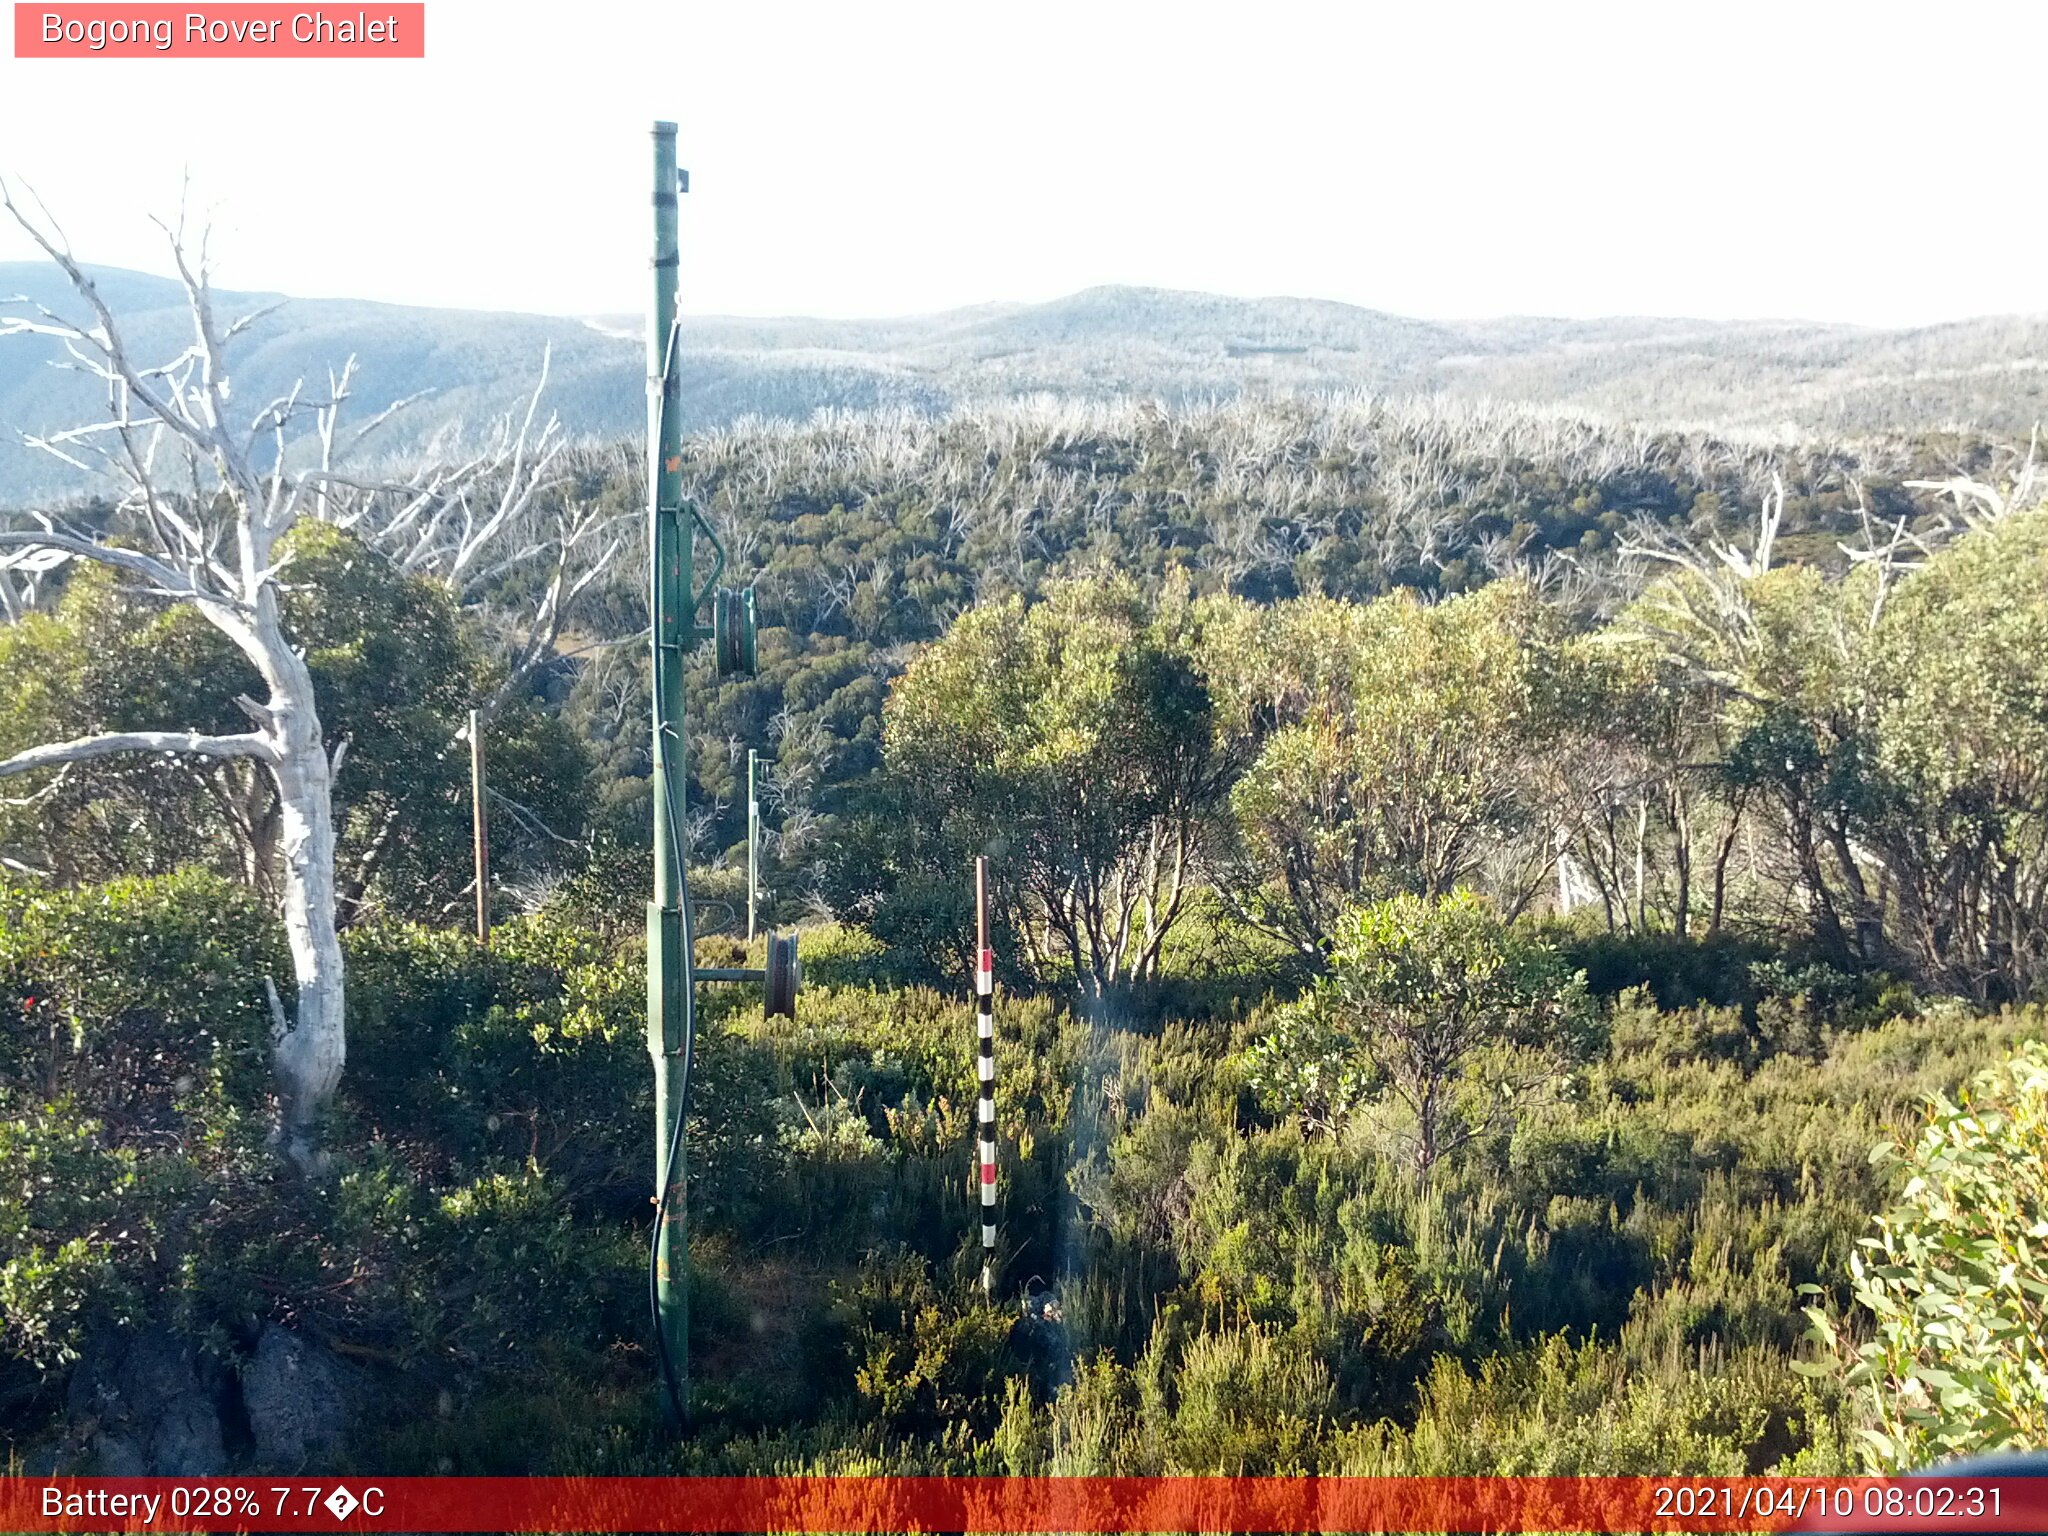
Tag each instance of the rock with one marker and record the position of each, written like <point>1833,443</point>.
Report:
<point>298,1398</point>
<point>148,1404</point>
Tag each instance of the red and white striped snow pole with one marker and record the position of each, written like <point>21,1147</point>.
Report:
<point>985,1069</point>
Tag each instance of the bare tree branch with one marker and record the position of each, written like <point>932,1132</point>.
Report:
<point>86,748</point>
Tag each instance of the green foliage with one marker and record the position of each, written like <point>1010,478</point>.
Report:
<point>134,1032</point>
<point>866,538</point>
<point>518,1272</point>
<point>1309,1064</point>
<point>102,661</point>
<point>1237,1294</point>
<point>1072,739</point>
<point>921,1358</point>
<point>1962,748</point>
<point>535,1051</point>
<point>1560,1410</point>
<point>1452,1012</point>
<point>1955,1281</point>
<point>394,672</point>
<point>1892,726</point>
<point>1389,745</point>
<point>1679,972</point>
<point>61,1198</point>
<point>142,998</point>
<point>1209,1179</point>
<point>1245,1402</point>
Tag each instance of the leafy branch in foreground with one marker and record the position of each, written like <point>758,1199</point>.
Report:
<point>1957,1279</point>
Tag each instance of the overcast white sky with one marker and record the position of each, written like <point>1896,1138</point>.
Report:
<point>1846,162</point>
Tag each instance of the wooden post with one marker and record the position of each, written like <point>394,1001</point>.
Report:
<point>479,828</point>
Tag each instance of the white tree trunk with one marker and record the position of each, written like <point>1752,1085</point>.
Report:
<point>215,546</point>
<point>310,1051</point>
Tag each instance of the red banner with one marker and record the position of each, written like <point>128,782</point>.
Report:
<point>1024,1504</point>
<point>223,31</point>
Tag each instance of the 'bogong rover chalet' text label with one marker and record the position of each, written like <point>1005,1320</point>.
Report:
<point>117,31</point>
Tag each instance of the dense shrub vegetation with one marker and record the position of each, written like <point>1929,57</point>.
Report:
<point>1468,905</point>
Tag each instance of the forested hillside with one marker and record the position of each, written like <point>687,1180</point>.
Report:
<point>1756,377</point>
<point>866,537</point>
<point>1473,885</point>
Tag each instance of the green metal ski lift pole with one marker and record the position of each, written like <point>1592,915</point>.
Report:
<point>668,961</point>
<point>674,526</point>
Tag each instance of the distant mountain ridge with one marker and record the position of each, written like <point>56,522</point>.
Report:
<point>1771,376</point>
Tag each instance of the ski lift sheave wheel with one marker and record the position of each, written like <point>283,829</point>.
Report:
<point>784,975</point>
<point>733,634</point>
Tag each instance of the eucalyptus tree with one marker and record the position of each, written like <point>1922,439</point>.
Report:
<point>1635,779</point>
<point>208,492</point>
<point>395,669</point>
<point>1786,649</point>
<point>1890,723</point>
<point>1455,1018</point>
<point>1073,736</point>
<point>1390,749</point>
<point>1959,816</point>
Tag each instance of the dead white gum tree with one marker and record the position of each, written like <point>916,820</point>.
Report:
<point>206,500</point>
